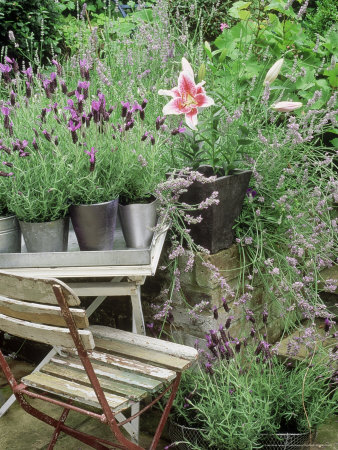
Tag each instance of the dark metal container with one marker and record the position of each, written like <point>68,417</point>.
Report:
<point>94,225</point>
<point>215,231</point>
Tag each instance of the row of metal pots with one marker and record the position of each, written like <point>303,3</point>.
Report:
<point>94,227</point>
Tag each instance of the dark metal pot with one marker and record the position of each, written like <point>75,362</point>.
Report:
<point>137,221</point>
<point>94,225</point>
<point>46,236</point>
<point>215,231</point>
<point>10,235</point>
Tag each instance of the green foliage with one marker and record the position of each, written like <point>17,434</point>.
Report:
<point>245,397</point>
<point>204,16</point>
<point>321,17</point>
<point>34,24</point>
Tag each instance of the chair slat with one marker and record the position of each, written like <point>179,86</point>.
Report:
<point>113,373</point>
<point>170,355</point>
<point>34,290</point>
<point>131,365</point>
<point>108,385</point>
<point>74,391</point>
<point>44,333</point>
<point>39,313</point>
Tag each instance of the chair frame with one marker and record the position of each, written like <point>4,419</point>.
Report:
<point>20,390</point>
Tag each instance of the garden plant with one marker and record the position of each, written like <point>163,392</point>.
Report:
<point>134,108</point>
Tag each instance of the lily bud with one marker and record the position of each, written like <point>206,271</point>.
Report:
<point>286,106</point>
<point>273,72</point>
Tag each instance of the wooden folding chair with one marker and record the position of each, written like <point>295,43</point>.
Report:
<point>96,366</point>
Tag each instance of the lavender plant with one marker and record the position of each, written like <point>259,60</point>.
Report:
<point>241,391</point>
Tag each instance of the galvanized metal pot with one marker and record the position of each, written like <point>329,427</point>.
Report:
<point>137,221</point>
<point>10,235</point>
<point>94,225</point>
<point>46,236</point>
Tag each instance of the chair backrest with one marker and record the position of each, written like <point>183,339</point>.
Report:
<point>29,309</point>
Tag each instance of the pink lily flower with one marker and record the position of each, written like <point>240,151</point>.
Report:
<point>188,97</point>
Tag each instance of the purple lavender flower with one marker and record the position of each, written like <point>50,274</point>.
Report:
<point>6,69</point>
<point>53,82</point>
<point>8,164</point>
<point>5,111</point>
<point>80,99</point>
<point>225,305</point>
<point>63,87</point>
<point>29,74</point>
<point>215,312</point>
<point>142,115</point>
<point>144,137</point>
<point>228,322</point>
<point>28,89</point>
<point>47,87</point>
<point>84,69</point>
<point>214,338</point>
<point>91,154</point>
<point>6,174</point>
<point>159,122</point>
<point>83,86</point>
<point>178,130</point>
<point>47,135</point>
<point>125,107</point>
<point>34,144</point>
<point>12,98</point>
<point>96,105</point>
<point>208,368</point>
<point>222,333</point>
<point>152,139</point>
<point>144,103</point>
<point>250,192</point>
<point>265,316</point>
<point>58,67</point>
<point>73,127</point>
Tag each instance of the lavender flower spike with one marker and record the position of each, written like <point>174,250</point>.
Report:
<point>91,154</point>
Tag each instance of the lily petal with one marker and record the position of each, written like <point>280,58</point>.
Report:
<point>203,100</point>
<point>175,106</point>
<point>286,106</point>
<point>172,92</point>
<point>191,119</point>
<point>186,67</point>
<point>186,84</point>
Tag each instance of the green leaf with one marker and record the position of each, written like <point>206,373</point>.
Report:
<point>244,141</point>
<point>223,55</point>
<point>237,7</point>
<point>332,76</point>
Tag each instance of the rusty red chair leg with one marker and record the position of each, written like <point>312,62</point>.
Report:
<point>57,430</point>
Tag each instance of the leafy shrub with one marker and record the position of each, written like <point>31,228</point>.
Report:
<point>322,17</point>
<point>34,25</point>
<point>203,15</point>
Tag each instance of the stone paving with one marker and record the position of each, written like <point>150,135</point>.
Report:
<point>20,431</point>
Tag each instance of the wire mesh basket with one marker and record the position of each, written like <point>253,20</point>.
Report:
<point>186,437</point>
<point>287,441</point>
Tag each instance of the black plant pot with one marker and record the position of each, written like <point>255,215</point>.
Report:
<point>215,231</point>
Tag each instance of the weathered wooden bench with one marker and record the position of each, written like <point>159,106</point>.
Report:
<point>95,367</point>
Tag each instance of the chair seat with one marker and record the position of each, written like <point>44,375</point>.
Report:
<point>124,379</point>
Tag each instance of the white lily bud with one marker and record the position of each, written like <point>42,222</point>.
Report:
<point>286,106</point>
<point>273,72</point>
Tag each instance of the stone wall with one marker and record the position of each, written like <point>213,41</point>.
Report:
<point>199,285</point>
